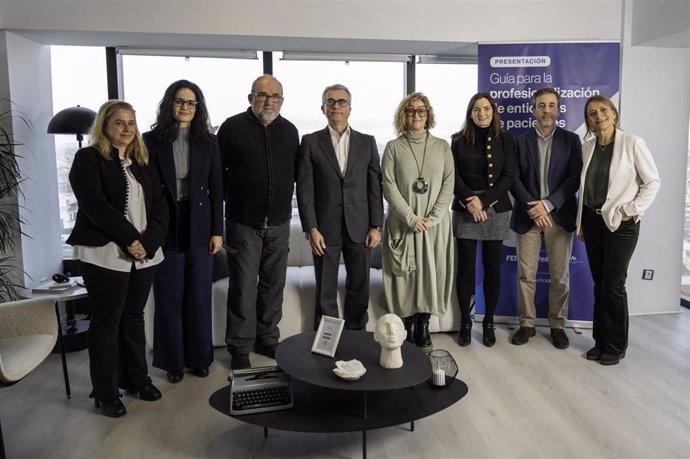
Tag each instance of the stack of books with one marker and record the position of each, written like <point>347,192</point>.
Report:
<point>55,287</point>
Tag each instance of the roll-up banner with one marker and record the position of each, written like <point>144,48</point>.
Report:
<point>511,73</point>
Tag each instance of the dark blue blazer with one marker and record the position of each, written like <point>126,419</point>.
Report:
<point>564,178</point>
<point>205,188</point>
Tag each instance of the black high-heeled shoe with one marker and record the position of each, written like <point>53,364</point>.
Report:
<point>114,409</point>
<point>465,334</point>
<point>489,337</point>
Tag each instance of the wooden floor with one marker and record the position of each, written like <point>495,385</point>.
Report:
<point>524,401</point>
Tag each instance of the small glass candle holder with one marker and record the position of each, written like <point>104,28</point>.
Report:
<point>443,368</point>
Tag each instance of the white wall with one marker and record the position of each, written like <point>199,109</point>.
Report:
<point>29,86</point>
<point>655,104</point>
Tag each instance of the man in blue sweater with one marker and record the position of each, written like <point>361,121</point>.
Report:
<point>259,150</point>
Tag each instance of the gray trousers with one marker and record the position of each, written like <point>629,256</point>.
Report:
<point>257,263</point>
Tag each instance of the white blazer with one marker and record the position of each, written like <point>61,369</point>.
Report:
<point>633,179</point>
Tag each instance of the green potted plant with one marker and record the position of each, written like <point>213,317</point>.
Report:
<point>10,219</point>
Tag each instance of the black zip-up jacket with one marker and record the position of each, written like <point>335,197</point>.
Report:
<point>259,166</point>
<point>101,189</point>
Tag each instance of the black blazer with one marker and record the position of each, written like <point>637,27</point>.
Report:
<point>205,188</point>
<point>497,163</point>
<point>565,166</point>
<point>100,187</point>
<point>325,196</point>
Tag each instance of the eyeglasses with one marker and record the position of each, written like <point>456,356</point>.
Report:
<point>262,96</point>
<point>122,123</point>
<point>421,112</point>
<point>342,103</point>
<point>188,103</point>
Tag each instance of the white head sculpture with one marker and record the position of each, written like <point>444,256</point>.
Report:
<point>390,334</point>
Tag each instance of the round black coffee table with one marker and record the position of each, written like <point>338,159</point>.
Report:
<point>295,358</point>
<point>322,402</point>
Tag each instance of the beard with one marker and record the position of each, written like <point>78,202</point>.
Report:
<point>266,116</point>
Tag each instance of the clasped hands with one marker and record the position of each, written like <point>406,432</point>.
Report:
<point>539,215</point>
<point>475,207</point>
<point>137,250</point>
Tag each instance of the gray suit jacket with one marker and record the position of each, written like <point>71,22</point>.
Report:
<point>327,199</point>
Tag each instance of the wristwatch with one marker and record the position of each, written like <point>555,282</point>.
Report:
<point>380,228</point>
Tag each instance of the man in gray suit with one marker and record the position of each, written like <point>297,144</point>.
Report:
<point>339,193</point>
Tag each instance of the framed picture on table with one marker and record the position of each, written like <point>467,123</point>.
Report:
<point>328,336</point>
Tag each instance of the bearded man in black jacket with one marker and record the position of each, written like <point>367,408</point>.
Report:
<point>259,150</point>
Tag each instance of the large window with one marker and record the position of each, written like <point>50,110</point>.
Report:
<point>449,88</point>
<point>376,87</point>
<point>79,78</point>
<point>225,83</point>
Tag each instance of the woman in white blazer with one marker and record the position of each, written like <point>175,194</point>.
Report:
<point>619,181</point>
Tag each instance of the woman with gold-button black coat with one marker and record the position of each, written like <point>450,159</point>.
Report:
<point>485,165</point>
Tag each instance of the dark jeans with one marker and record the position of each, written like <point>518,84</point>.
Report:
<point>357,262</point>
<point>465,279</point>
<point>117,343</point>
<point>257,264</point>
<point>609,255</point>
<point>182,333</point>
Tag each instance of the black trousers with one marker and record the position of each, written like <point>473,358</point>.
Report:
<point>117,342</point>
<point>257,265</point>
<point>465,278</point>
<point>182,331</point>
<point>609,255</point>
<point>357,261</point>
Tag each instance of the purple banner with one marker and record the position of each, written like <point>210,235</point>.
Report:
<point>511,73</point>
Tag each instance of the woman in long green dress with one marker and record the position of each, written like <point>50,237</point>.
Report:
<point>418,252</point>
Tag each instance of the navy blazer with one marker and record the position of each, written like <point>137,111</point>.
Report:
<point>205,188</point>
<point>325,196</point>
<point>565,166</point>
<point>101,189</point>
<point>498,162</point>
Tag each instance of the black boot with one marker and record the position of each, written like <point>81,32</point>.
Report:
<point>423,338</point>
<point>465,334</point>
<point>411,328</point>
<point>489,337</point>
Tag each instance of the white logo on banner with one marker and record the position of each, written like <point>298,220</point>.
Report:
<point>520,61</point>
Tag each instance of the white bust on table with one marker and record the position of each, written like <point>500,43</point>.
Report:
<point>390,333</point>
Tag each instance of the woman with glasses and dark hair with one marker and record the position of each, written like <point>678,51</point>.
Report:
<point>120,226</point>
<point>418,255</point>
<point>187,157</point>
<point>485,164</point>
<point>619,182</point>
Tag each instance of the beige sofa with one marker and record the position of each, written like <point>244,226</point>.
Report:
<point>299,293</point>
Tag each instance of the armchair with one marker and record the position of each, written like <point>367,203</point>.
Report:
<point>28,333</point>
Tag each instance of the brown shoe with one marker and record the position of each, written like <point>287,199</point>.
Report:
<point>523,335</point>
<point>559,338</point>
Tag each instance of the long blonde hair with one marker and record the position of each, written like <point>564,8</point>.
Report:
<point>100,141</point>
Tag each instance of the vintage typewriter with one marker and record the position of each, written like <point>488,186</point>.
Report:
<point>261,389</point>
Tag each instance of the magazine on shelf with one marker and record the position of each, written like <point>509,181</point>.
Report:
<point>55,287</point>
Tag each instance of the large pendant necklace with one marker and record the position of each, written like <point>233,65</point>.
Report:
<point>420,186</point>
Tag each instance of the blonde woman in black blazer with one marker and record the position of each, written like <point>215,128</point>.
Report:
<point>120,226</point>
<point>187,157</point>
